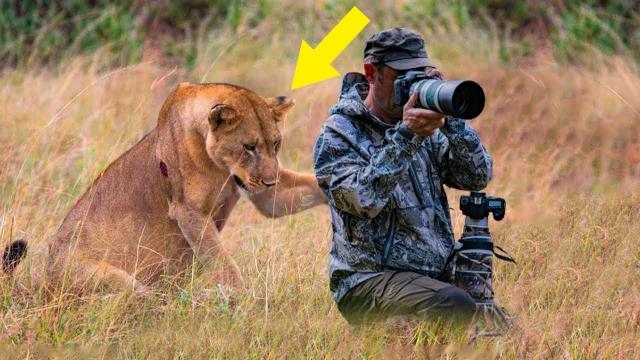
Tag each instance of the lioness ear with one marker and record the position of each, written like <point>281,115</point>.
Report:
<point>280,105</point>
<point>222,115</point>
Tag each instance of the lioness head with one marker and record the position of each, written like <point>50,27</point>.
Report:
<point>244,137</point>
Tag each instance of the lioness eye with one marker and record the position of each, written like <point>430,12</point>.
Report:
<point>250,147</point>
<point>276,145</point>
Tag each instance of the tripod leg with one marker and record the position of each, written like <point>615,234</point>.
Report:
<point>504,320</point>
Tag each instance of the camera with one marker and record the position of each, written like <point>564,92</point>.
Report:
<point>478,206</point>
<point>462,99</point>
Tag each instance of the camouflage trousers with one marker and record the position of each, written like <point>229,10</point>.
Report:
<point>405,294</point>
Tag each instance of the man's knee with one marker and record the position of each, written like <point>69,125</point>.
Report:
<point>454,300</point>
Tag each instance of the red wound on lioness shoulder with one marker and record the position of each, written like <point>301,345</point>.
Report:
<point>163,169</point>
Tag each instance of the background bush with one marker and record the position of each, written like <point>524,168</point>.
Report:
<point>43,31</point>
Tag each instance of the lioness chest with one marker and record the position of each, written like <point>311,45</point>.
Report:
<point>224,207</point>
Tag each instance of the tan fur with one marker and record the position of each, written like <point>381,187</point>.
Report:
<point>134,224</point>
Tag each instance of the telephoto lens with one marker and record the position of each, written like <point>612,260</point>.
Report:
<point>462,99</point>
<point>459,98</point>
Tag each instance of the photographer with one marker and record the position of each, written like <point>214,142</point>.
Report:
<point>383,167</point>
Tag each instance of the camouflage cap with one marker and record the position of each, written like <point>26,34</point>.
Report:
<point>398,48</point>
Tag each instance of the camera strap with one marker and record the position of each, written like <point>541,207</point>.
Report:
<point>502,255</point>
<point>505,256</point>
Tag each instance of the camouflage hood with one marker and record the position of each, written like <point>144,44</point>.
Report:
<point>351,100</point>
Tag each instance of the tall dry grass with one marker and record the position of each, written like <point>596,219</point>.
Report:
<point>564,140</point>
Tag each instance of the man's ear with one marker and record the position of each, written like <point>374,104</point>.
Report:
<point>369,73</point>
<point>223,116</point>
<point>280,105</point>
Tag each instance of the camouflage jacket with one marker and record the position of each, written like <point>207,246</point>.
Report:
<point>385,189</point>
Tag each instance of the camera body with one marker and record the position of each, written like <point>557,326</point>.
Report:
<point>458,98</point>
<point>478,206</point>
<point>402,85</point>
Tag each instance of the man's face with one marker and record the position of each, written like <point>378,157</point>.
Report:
<point>381,78</point>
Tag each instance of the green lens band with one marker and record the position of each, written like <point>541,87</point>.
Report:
<point>434,97</point>
<point>420,90</point>
<point>428,91</point>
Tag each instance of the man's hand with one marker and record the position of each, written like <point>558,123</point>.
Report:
<point>423,122</point>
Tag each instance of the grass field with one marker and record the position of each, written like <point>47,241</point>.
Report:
<point>564,139</point>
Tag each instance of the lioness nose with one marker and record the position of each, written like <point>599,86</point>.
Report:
<point>268,183</point>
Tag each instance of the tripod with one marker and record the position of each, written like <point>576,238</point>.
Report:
<point>473,255</point>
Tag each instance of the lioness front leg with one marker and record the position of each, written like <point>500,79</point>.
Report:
<point>203,237</point>
<point>95,273</point>
<point>292,193</point>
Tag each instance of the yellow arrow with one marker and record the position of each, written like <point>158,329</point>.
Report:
<point>314,65</point>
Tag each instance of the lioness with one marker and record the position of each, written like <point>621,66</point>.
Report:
<point>165,201</point>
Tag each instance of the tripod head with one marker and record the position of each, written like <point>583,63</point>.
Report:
<point>477,207</point>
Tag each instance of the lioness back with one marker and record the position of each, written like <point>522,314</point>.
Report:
<point>122,218</point>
